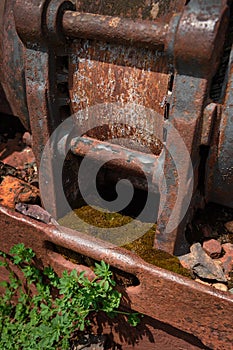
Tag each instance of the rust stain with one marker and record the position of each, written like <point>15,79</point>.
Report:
<point>102,73</point>
<point>114,22</point>
<point>142,9</point>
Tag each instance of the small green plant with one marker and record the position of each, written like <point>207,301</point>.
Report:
<point>44,311</point>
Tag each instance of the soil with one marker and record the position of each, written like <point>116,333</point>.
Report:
<point>210,223</point>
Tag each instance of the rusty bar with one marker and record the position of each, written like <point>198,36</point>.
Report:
<point>165,296</point>
<point>99,27</point>
<point>131,161</point>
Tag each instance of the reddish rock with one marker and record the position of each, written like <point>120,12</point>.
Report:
<point>227,259</point>
<point>229,226</point>
<point>213,248</point>
<point>16,153</point>
<point>27,138</point>
<point>207,231</point>
<point>202,265</point>
<point>227,247</point>
<point>14,190</point>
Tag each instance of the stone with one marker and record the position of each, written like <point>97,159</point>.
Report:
<point>27,138</point>
<point>90,342</point>
<point>231,290</point>
<point>229,226</point>
<point>227,259</point>
<point>220,286</point>
<point>202,282</point>
<point>202,265</point>
<point>36,212</point>
<point>213,248</point>
<point>14,190</point>
<point>207,231</point>
<point>186,261</point>
<point>227,247</point>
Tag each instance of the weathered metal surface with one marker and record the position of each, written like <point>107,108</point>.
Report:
<point>101,72</point>
<point>116,157</point>
<point>47,97</point>
<point>141,9</point>
<point>12,68</point>
<point>175,301</point>
<point>5,107</point>
<point>204,25</point>
<point>114,29</point>
<point>104,73</point>
<point>189,96</point>
<point>38,22</point>
<point>185,115</point>
<point>34,78</point>
<point>209,116</point>
<point>219,176</point>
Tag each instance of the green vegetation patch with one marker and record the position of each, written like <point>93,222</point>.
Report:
<point>41,310</point>
<point>142,246</point>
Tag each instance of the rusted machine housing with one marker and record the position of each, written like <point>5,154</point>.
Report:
<point>54,56</point>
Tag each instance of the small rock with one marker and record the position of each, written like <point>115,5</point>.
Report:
<point>229,226</point>
<point>227,259</point>
<point>201,264</point>
<point>27,138</point>
<point>14,190</point>
<point>231,290</point>
<point>213,248</point>
<point>227,247</point>
<point>186,261</point>
<point>203,282</point>
<point>36,212</point>
<point>220,286</point>
<point>90,342</point>
<point>227,263</point>
<point>207,231</point>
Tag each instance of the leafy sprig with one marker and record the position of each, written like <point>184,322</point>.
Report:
<point>50,309</point>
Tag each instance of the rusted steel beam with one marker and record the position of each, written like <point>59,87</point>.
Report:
<point>219,168</point>
<point>195,65</point>
<point>108,28</point>
<point>118,157</point>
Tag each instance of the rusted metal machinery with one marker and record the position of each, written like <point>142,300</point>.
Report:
<point>173,60</point>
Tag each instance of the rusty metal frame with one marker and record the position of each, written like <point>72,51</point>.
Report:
<point>194,67</point>
<point>175,301</point>
<point>219,176</point>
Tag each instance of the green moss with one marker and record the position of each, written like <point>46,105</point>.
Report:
<point>142,246</point>
<point>95,217</point>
